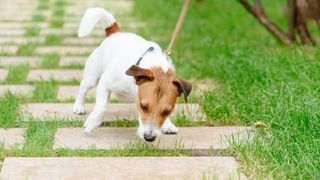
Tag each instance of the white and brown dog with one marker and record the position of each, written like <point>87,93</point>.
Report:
<point>121,55</point>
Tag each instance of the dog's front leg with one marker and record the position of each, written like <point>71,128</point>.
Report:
<point>168,127</point>
<point>96,116</point>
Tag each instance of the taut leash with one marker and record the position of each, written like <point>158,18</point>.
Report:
<point>183,14</point>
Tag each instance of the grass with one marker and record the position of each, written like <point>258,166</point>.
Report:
<point>38,18</point>
<point>45,91</point>
<point>50,61</point>
<point>259,80</point>
<point>56,23</point>
<point>9,110</point>
<point>32,32</point>
<point>17,74</point>
<point>26,49</point>
<point>53,39</point>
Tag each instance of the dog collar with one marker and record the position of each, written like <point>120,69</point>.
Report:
<point>141,57</point>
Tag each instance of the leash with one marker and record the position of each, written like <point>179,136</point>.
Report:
<point>179,23</point>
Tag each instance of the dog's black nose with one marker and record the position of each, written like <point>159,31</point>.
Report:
<point>149,137</point>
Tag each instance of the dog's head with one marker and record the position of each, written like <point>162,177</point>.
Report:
<point>156,98</point>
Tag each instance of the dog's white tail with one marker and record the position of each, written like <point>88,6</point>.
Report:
<point>94,15</point>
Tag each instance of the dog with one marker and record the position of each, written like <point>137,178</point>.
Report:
<point>133,68</point>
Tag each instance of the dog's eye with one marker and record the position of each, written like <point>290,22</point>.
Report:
<point>144,107</point>
<point>165,113</point>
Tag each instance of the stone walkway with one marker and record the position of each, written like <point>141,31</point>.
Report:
<point>39,45</point>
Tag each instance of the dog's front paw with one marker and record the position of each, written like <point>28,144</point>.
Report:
<point>91,124</point>
<point>78,108</point>
<point>169,128</point>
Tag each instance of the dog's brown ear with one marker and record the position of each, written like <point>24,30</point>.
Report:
<point>141,75</point>
<point>183,87</point>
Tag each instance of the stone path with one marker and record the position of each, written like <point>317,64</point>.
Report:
<point>12,137</point>
<point>40,44</point>
<point>121,168</point>
<point>195,138</point>
<point>47,111</point>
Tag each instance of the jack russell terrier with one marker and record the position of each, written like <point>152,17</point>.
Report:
<point>132,68</point>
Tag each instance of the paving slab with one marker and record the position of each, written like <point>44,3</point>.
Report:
<point>3,74</point>
<point>20,40</point>
<point>25,90</point>
<point>12,137</point>
<point>8,49</point>
<point>72,60</point>
<point>115,168</point>
<point>44,111</point>
<point>65,50</point>
<point>21,25</point>
<point>12,32</point>
<point>18,60</point>
<point>59,75</point>
<point>70,92</point>
<point>196,138</point>
<point>87,41</point>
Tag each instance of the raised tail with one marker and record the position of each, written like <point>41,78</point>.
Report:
<point>94,15</point>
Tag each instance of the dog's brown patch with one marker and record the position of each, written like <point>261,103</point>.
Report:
<point>157,93</point>
<point>112,29</point>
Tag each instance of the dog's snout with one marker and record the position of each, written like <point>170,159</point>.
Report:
<point>149,137</point>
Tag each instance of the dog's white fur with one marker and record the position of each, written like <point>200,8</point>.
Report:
<point>106,66</point>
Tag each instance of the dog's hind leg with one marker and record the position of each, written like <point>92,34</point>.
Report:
<point>91,75</point>
<point>96,116</point>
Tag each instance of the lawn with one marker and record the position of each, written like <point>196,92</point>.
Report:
<point>257,79</point>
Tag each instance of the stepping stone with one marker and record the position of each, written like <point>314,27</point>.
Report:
<point>59,75</point>
<point>11,137</point>
<point>20,40</point>
<point>70,92</point>
<point>8,49</point>
<point>65,50</point>
<point>72,60</point>
<point>21,25</point>
<point>115,168</point>
<point>87,41</point>
<point>196,138</point>
<point>45,111</point>
<point>12,32</point>
<point>18,60</point>
<point>3,74</point>
<point>25,90</point>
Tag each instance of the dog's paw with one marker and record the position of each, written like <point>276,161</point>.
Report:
<point>78,108</point>
<point>169,128</point>
<point>91,124</point>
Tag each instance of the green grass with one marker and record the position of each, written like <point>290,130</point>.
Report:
<point>45,91</point>
<point>26,49</point>
<point>32,32</point>
<point>53,39</point>
<point>56,23</point>
<point>38,18</point>
<point>50,61</point>
<point>17,74</point>
<point>259,80</point>
<point>9,110</point>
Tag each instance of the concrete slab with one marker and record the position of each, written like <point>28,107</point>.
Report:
<point>3,74</point>
<point>44,111</point>
<point>25,90</point>
<point>8,49</point>
<point>20,40</point>
<point>65,50</point>
<point>87,41</point>
<point>18,60</point>
<point>59,75</point>
<point>196,138</point>
<point>115,168</point>
<point>11,137</point>
<point>12,32</point>
<point>70,92</point>
<point>72,60</point>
